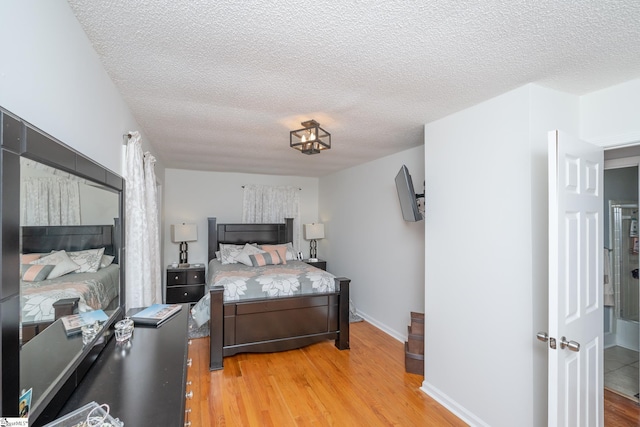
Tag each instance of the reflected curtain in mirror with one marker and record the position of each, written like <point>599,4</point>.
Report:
<point>49,196</point>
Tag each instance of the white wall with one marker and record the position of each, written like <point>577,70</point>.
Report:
<point>368,241</point>
<point>192,196</point>
<point>51,77</point>
<point>609,117</point>
<point>485,255</point>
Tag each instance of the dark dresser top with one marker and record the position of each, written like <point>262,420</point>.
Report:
<point>143,382</point>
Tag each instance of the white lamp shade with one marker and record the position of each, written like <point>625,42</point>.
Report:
<point>184,233</point>
<point>313,231</point>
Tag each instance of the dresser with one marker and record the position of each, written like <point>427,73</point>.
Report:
<point>143,381</point>
<point>185,284</point>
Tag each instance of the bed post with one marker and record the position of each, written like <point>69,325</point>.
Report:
<point>212,234</point>
<point>216,327</point>
<point>342,342</point>
<point>288,230</point>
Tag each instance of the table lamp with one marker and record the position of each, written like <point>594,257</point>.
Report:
<point>183,233</point>
<point>313,232</point>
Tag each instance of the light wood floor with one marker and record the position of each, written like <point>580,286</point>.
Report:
<point>320,385</point>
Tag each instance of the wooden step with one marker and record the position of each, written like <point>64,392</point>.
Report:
<point>415,342</point>
<point>417,323</point>
<point>413,363</point>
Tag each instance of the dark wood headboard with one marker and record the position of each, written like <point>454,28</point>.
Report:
<point>69,237</point>
<point>262,234</point>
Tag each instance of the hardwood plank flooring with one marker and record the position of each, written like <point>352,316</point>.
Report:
<point>320,385</point>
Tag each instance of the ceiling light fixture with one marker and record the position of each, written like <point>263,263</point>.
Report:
<point>311,139</point>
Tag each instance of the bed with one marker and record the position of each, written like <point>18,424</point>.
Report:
<point>280,317</point>
<point>44,298</point>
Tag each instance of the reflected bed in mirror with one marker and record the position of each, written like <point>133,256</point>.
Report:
<point>68,260</point>
<point>35,165</point>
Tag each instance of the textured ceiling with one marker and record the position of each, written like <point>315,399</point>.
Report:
<point>219,85</point>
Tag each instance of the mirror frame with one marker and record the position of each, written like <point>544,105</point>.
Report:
<point>20,139</point>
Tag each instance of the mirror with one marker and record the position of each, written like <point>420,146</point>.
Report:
<point>49,361</point>
<point>51,199</point>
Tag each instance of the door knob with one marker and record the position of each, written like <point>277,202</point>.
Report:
<point>544,337</point>
<point>572,345</point>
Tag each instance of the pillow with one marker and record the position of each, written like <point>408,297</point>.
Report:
<point>243,256</point>
<point>88,260</point>
<point>63,264</point>
<point>291,254</point>
<point>281,249</point>
<point>228,253</point>
<point>265,258</point>
<point>28,258</point>
<point>106,260</point>
<point>35,273</point>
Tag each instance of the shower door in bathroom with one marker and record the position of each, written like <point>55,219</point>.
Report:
<point>625,257</point>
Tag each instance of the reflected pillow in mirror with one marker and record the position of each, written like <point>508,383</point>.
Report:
<point>29,258</point>
<point>106,261</point>
<point>34,272</point>
<point>88,260</point>
<point>63,264</point>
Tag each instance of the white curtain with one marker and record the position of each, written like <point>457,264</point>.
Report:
<point>271,204</point>
<point>50,201</point>
<point>144,284</point>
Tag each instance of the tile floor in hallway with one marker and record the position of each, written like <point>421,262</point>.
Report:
<point>621,370</point>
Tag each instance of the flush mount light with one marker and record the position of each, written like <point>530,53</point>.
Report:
<point>311,139</point>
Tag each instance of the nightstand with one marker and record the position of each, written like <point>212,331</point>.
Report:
<point>320,263</point>
<point>185,284</point>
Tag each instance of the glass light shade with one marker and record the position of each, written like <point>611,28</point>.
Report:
<point>311,139</point>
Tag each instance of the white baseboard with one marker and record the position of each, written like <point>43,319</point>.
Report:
<point>395,334</point>
<point>456,409</point>
<point>453,406</point>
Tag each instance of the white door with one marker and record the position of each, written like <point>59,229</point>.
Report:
<point>575,282</point>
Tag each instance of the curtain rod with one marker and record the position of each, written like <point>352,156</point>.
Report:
<point>298,187</point>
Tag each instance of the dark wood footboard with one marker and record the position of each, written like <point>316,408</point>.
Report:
<point>278,324</point>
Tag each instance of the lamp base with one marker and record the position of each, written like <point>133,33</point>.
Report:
<point>313,251</point>
<point>184,265</point>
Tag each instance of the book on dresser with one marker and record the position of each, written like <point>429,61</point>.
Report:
<point>156,314</point>
<point>74,322</point>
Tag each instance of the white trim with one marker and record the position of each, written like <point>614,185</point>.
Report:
<point>617,141</point>
<point>625,162</point>
<point>454,407</point>
<point>384,328</point>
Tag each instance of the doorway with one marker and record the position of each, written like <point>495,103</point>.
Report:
<point>621,283</point>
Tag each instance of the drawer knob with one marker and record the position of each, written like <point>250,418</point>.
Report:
<point>189,395</point>
<point>195,277</point>
<point>176,278</point>
<point>186,293</point>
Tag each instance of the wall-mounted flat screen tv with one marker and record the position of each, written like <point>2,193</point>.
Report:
<point>408,197</point>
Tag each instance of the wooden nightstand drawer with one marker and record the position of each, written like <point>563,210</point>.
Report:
<point>321,264</point>
<point>176,278</point>
<point>194,277</point>
<point>180,294</point>
<point>185,284</point>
